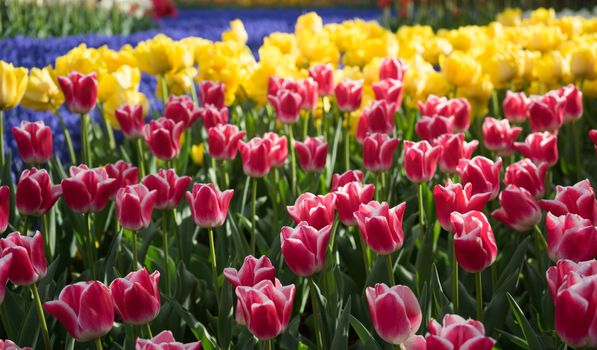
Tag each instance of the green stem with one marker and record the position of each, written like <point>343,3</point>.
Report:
<point>455,298</point>
<point>98,344</point>
<point>165,93</point>
<point>540,247</point>
<point>577,149</point>
<point>390,267</point>
<point>134,247</point>
<point>224,174</point>
<point>85,140</point>
<point>324,123</point>
<point>67,138</point>
<point>25,219</point>
<point>42,319</point>
<point>292,159</point>
<point>148,331</point>
<point>479,294</point>
<point>165,242</point>
<point>364,252</point>
<point>214,270</point>
<point>253,210</point>
<point>270,344</point>
<point>306,124</point>
<point>108,127</point>
<point>2,156</point>
<point>45,227</point>
<point>346,142</point>
<point>194,93</point>
<point>421,209</point>
<point>140,157</point>
<point>89,238</point>
<point>316,314</point>
<point>177,235</point>
<point>495,102</point>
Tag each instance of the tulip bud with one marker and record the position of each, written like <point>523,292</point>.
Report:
<point>35,194</point>
<point>85,309</point>
<point>519,209</point>
<point>389,90</point>
<point>578,199</point>
<point>516,106</point>
<point>125,174</point>
<point>252,272</point>
<point>456,332</point>
<point>28,258</point>
<point>420,160</point>
<point>433,105</point>
<point>163,138</point>
<point>430,128</point>
<point>134,205</point>
<point>279,150</point>
<point>546,113</point>
<point>165,341</point>
<point>309,94</point>
<point>212,93</point>
<point>168,186</point>
<point>183,109</point>
<point>593,137</point>
<point>573,105</point>
<point>223,141</point>
<point>312,154</point>
<point>211,116</point>
<point>287,105</point>
<point>348,95</point>
<point>256,156</point>
<point>304,248</point>
<point>4,208</point>
<point>136,297</point>
<point>34,141</point>
<point>392,68</point>
<point>381,226</point>
<point>454,198</point>
<point>474,242</point>
<point>323,74</point>
<point>567,272</point>
<point>209,206</point>
<point>131,120</point>
<point>277,83</point>
<point>377,118</point>
<point>317,211</point>
<point>454,148</point>
<point>498,136</point>
<point>88,190</point>
<point>571,237</point>
<point>482,173</point>
<point>527,175</point>
<point>395,312</point>
<point>5,268</point>
<point>378,152</point>
<point>80,91</point>
<point>339,180</point>
<point>349,198</point>
<point>460,109</point>
<point>540,147</point>
<point>14,84</point>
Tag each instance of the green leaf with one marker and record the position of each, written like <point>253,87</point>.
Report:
<point>364,335</point>
<point>525,326</point>
<point>340,341</point>
<point>197,328</point>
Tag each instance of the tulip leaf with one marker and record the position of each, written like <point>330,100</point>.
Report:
<point>525,326</point>
<point>518,341</point>
<point>340,340</point>
<point>225,319</point>
<point>364,335</point>
<point>198,329</point>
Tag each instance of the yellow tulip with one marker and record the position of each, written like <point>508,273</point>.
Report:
<point>435,84</point>
<point>543,38</point>
<point>120,98</point>
<point>589,88</point>
<point>43,92</point>
<point>124,78</point>
<point>198,154</point>
<point>582,61</point>
<point>510,17</point>
<point>13,83</point>
<point>478,94</point>
<point>550,68</point>
<point>179,83</point>
<point>161,54</point>
<point>237,33</point>
<point>80,59</point>
<point>310,22</point>
<point>460,68</point>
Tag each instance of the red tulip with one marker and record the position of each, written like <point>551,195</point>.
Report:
<point>34,141</point>
<point>527,175</point>
<point>458,333</point>
<point>317,211</point>
<point>312,154</point>
<point>433,106</point>
<point>212,93</point>
<point>276,83</point>
<point>304,248</point>
<point>482,173</point>
<point>125,173</point>
<point>430,128</point>
<point>211,116</point>
<point>571,237</point>
<point>593,136</point>
<point>573,106</point>
<point>392,68</point>
<point>474,242</point>
<point>420,160</point>
<point>35,193</point>
<point>348,95</point>
<point>134,205</point>
<point>136,297</point>
<point>519,209</point>
<point>279,150</point>
<point>256,156</point>
<point>458,108</point>
<point>88,190</point>
<point>287,105</point>
<point>10,345</point>
<point>4,207</point>
<point>131,120</point>
<point>85,309</point>
<point>323,74</point>
<point>567,272</point>
<point>381,226</point>
<point>389,90</point>
<point>266,307</point>
<point>395,312</point>
<point>339,180</point>
<point>309,94</point>
<point>209,206</point>
<point>163,138</point>
<point>183,109</point>
<point>540,147</point>
<point>349,198</point>
<point>454,198</point>
<point>498,136</point>
<point>28,258</point>
<point>165,341</point>
<point>454,148</point>
<point>80,91</point>
<point>252,272</point>
<point>516,106</point>
<point>546,113</point>
<point>223,141</point>
<point>163,8</point>
<point>378,152</point>
<point>377,118</point>
<point>578,199</point>
<point>5,268</point>
<point>168,186</point>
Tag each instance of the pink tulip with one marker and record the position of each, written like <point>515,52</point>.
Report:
<point>567,272</point>
<point>317,211</point>
<point>392,68</point>
<point>278,83</point>
<point>323,74</point>
<point>389,90</point>
<point>131,120</point>
<point>381,226</point>
<point>433,106</point>
<point>430,128</point>
<point>309,96</point>
<point>4,207</point>
<point>256,156</point>
<point>212,93</point>
<point>482,173</point>
<point>454,148</point>
<point>223,141</point>
<point>287,105</point>
<point>168,186</point>
<point>134,205</point>
<point>348,95</point>
<point>527,175</point>
<point>578,199</point>
<point>519,209</point>
<point>377,118</point>
<point>339,180</point>
<point>165,341</point>
<point>474,242</point>
<point>378,152</point>
<point>571,237</point>
<point>34,141</point>
<point>35,194</point>
<point>183,109</point>
<point>85,309</point>
<point>279,150</point>
<point>516,106</point>
<point>5,268</point>
<point>304,248</point>
<point>88,190</point>
<point>163,138</point>
<point>458,333</point>
<point>540,147</point>
<point>458,108</point>
<point>211,116</point>
<point>454,198</point>
<point>593,137</point>
<point>312,154</point>
<point>573,105</point>
<point>136,297</point>
<point>28,258</point>
<point>10,345</point>
<point>125,173</point>
<point>209,206</point>
<point>546,113</point>
<point>420,160</point>
<point>266,307</point>
<point>395,312</point>
<point>349,198</point>
<point>251,272</point>
<point>80,91</point>
<point>498,136</point>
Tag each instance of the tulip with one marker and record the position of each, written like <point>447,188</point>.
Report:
<point>540,147</point>
<point>474,242</point>
<point>571,237</point>
<point>168,186</point>
<point>35,194</point>
<point>348,95</point>
<point>136,297</point>
<point>209,206</point>
<point>223,141</point>
<point>131,120</point>
<point>593,137</point>
<point>183,109</point>
<point>573,106</point>
<point>460,109</point>
<point>287,105</point>
<point>163,138</point>
<point>279,150</point>
<point>85,309</point>
<point>323,74</point>
<point>165,341</point>
<point>10,345</point>
<point>516,106</point>
<point>482,173</point>
<point>395,312</point>
<point>309,94</point>
<point>420,160</point>
<point>458,333</point>
<point>124,173</point>
<point>256,156</point>
<point>304,248</point>
<point>392,68</point>
<point>454,148</point>
<point>80,91</point>
<point>88,190</point>
<point>4,208</point>
<point>349,197</point>
<point>317,211</point>
<point>14,83</point>
<point>456,198</point>
<point>378,152</point>
<point>251,272</point>
<point>339,180</point>
<point>34,141</point>
<point>134,205</point>
<point>519,209</point>
<point>578,199</point>
<point>567,272</point>
<point>28,258</point>
<point>546,113</point>
<point>277,83</point>
<point>389,90</point>
<point>381,226</point>
<point>43,92</point>
<point>266,307</point>
<point>312,154</point>
<point>212,93</point>
<point>527,175</point>
<point>5,268</point>
<point>430,128</point>
<point>211,116</point>
<point>377,118</point>
<point>498,136</point>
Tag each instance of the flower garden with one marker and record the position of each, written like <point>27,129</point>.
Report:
<point>275,178</point>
